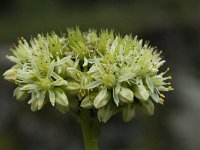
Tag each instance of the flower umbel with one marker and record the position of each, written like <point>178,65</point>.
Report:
<point>98,71</point>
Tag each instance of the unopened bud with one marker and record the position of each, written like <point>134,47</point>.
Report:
<point>61,97</point>
<point>102,98</point>
<point>88,101</point>
<point>61,108</point>
<point>141,92</point>
<point>129,112</point>
<point>73,87</point>
<point>148,107</point>
<point>19,94</point>
<point>126,95</point>
<point>10,75</point>
<point>105,113</point>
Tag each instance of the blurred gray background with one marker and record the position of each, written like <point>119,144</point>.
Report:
<point>171,25</point>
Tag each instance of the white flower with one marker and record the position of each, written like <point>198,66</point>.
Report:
<point>102,72</point>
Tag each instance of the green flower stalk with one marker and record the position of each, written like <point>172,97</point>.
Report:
<point>92,75</point>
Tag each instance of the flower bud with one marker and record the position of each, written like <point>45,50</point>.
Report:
<point>102,98</point>
<point>61,97</point>
<point>10,75</point>
<point>126,95</point>
<point>19,94</point>
<point>148,107</point>
<point>129,112</point>
<point>105,113</point>
<point>141,92</point>
<point>73,87</point>
<point>88,101</point>
<point>62,108</point>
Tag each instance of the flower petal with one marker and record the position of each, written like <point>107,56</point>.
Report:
<point>52,97</point>
<point>102,98</point>
<point>93,84</point>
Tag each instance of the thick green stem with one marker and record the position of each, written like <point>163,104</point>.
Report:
<point>91,130</point>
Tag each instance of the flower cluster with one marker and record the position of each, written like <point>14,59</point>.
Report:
<point>100,71</point>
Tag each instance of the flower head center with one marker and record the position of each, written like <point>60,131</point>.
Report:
<point>45,84</point>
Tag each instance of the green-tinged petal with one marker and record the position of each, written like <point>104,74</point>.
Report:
<point>41,100</point>
<point>34,106</point>
<point>88,101</point>
<point>150,84</point>
<point>105,113</point>
<point>155,97</point>
<point>63,60</point>
<point>148,107</point>
<point>74,73</point>
<point>19,94</point>
<point>33,98</point>
<point>61,97</point>
<point>141,92</point>
<point>51,67</point>
<point>52,97</point>
<point>158,80</point>
<point>92,69</point>
<point>13,59</point>
<point>85,62</point>
<point>73,87</point>
<point>129,112</point>
<point>10,75</point>
<point>102,98</point>
<point>126,95</point>
<point>61,108</point>
<point>60,81</point>
<point>93,84</point>
<point>55,75</point>
<point>115,94</point>
<point>125,77</point>
<point>29,87</point>
<point>76,64</point>
<point>114,45</point>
